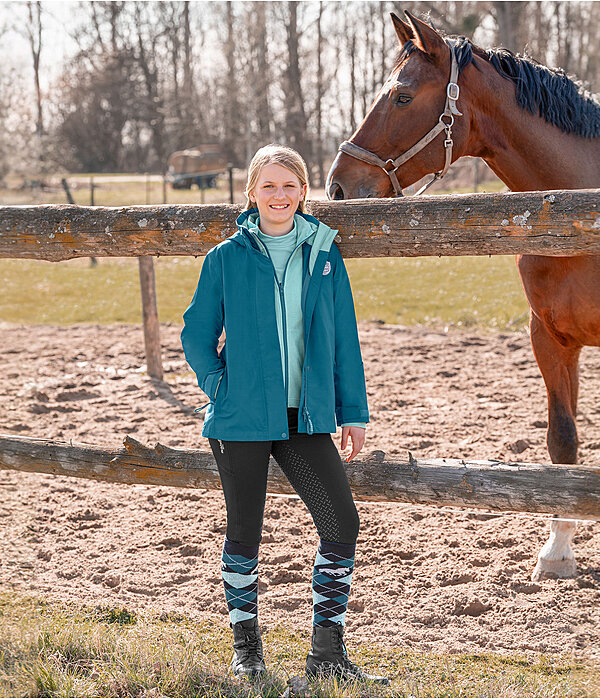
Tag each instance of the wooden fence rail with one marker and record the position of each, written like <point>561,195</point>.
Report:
<point>565,490</point>
<point>563,222</point>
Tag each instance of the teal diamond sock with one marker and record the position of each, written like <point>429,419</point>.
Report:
<point>332,575</point>
<point>239,569</point>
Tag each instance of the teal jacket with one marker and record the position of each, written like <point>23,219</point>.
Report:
<point>235,291</point>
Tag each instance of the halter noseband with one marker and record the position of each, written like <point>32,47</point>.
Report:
<point>390,166</point>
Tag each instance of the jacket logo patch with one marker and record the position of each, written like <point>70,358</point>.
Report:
<point>327,268</point>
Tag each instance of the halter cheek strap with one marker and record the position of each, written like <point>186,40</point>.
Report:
<point>445,123</point>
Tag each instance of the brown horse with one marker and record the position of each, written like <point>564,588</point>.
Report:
<point>537,130</point>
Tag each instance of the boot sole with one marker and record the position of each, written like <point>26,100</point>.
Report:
<point>248,674</point>
<point>341,676</point>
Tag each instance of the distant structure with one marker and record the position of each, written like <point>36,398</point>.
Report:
<point>199,166</point>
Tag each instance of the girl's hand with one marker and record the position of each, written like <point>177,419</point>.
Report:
<point>357,436</point>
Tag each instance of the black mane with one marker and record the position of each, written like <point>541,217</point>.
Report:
<point>546,92</point>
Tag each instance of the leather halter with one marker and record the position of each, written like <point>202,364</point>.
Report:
<point>390,166</point>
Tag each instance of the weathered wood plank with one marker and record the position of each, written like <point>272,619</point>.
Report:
<point>558,223</point>
<point>565,490</point>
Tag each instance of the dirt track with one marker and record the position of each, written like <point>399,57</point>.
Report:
<point>426,578</point>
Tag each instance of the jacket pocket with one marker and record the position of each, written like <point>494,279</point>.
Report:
<point>211,383</point>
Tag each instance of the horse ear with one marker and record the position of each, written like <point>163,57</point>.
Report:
<point>403,30</point>
<point>426,38</point>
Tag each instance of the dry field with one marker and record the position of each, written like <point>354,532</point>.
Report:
<point>436,579</point>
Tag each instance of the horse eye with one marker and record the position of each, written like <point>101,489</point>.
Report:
<point>403,99</point>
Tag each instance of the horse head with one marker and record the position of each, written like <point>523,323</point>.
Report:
<point>409,105</point>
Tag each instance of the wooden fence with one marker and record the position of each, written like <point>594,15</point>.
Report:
<point>563,222</point>
<point>558,223</point>
<point>566,490</point>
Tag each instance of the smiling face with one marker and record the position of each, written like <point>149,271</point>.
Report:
<point>277,194</point>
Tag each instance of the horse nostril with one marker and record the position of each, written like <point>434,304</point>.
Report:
<point>335,191</point>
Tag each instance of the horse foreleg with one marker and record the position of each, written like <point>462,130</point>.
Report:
<point>558,363</point>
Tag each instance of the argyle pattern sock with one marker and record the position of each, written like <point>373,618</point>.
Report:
<point>332,575</point>
<point>239,569</point>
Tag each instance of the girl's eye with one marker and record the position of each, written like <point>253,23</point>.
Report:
<point>403,99</point>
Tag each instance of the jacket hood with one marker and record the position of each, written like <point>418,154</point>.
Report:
<point>310,230</point>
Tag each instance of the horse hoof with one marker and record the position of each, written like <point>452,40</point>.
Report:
<point>554,568</point>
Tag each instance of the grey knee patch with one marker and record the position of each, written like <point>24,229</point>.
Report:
<point>312,491</point>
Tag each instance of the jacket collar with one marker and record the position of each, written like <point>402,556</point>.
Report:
<point>319,236</point>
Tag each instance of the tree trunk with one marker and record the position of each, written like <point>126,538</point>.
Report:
<point>295,118</point>
<point>509,20</point>
<point>34,31</point>
<point>319,106</point>
<point>232,110</point>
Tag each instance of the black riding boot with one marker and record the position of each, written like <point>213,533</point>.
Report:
<point>328,656</point>
<point>248,658</point>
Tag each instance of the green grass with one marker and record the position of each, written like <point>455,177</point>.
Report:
<point>464,291</point>
<point>51,649</point>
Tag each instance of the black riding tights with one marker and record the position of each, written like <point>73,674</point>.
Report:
<point>313,467</point>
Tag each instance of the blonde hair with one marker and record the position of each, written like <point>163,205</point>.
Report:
<point>283,155</point>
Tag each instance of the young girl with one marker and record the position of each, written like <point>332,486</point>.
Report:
<point>290,367</point>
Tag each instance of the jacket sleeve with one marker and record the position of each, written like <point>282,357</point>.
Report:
<point>203,324</point>
<point>349,375</point>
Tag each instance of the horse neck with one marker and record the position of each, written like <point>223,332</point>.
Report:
<point>524,150</point>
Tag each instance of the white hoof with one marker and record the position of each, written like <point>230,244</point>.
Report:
<point>554,568</point>
<point>556,558</point>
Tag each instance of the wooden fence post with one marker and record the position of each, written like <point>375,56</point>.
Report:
<point>150,309</point>
<point>65,185</point>
<point>150,317</point>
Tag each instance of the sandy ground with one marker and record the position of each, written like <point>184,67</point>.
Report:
<point>438,579</point>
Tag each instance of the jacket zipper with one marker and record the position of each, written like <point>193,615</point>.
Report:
<point>284,323</point>
<point>307,419</point>
<point>280,286</point>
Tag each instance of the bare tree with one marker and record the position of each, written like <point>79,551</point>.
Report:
<point>233,127</point>
<point>510,24</point>
<point>153,112</point>
<point>295,114</point>
<point>34,33</point>
<point>319,105</point>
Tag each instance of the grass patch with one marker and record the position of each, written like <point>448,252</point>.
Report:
<point>457,291</point>
<point>483,292</point>
<point>51,649</point>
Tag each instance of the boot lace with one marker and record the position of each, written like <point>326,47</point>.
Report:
<point>253,645</point>
<point>338,643</point>
<point>339,646</point>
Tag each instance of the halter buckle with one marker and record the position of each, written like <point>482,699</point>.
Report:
<point>392,169</point>
<point>453,91</point>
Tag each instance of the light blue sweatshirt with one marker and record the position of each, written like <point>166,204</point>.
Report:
<point>286,254</point>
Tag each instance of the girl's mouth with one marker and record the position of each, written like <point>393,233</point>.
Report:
<point>279,206</point>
